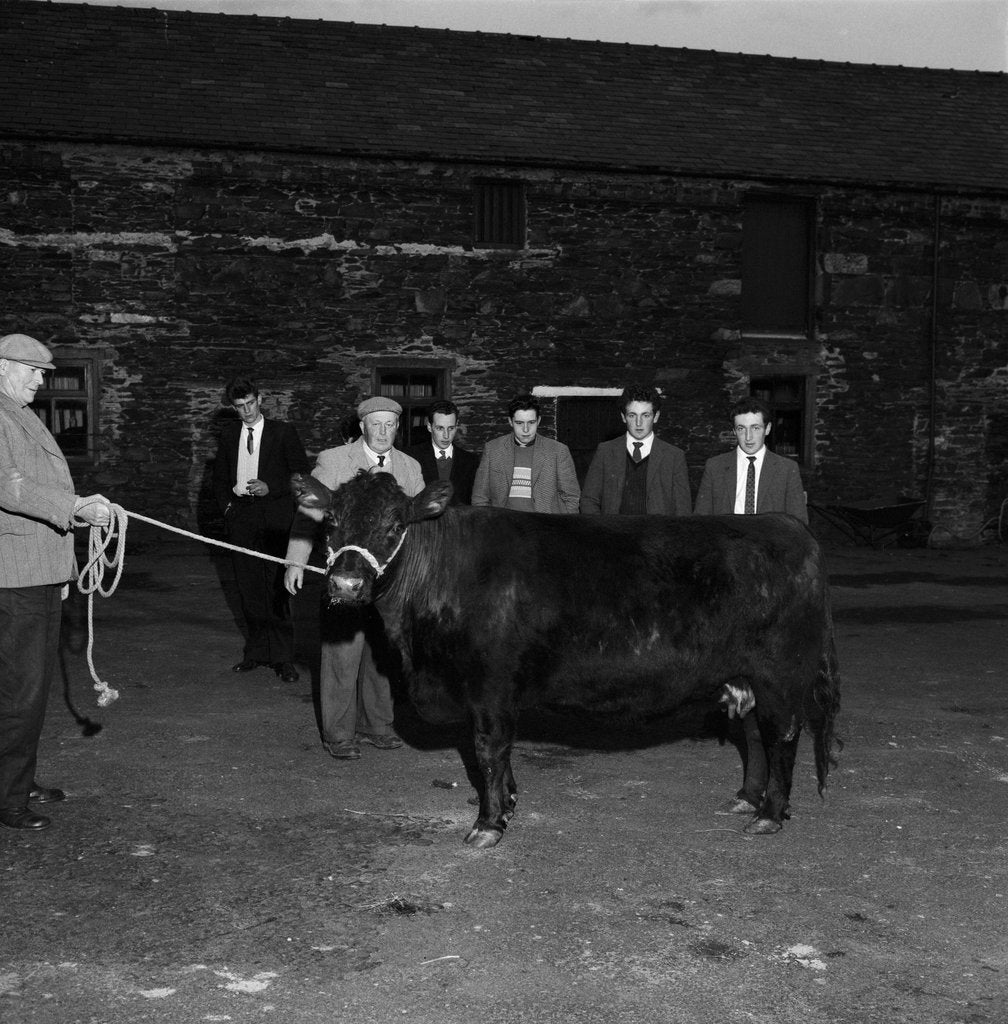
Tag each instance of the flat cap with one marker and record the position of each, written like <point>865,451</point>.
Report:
<point>23,349</point>
<point>378,404</point>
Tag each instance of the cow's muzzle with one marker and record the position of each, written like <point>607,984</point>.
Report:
<point>346,588</point>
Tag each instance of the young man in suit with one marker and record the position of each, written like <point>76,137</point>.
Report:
<point>524,471</point>
<point>750,478</point>
<point>441,458</point>
<point>747,480</point>
<point>354,694</point>
<point>255,460</point>
<point>637,473</point>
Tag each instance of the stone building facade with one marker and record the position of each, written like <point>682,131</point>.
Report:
<point>158,252</point>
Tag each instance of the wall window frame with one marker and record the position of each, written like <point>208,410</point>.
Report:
<point>414,384</point>
<point>500,213</point>
<point>791,394</point>
<point>778,264</point>
<point>68,404</point>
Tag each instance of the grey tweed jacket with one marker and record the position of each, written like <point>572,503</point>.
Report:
<point>36,502</point>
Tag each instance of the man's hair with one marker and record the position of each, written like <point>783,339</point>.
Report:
<point>640,393</point>
<point>442,406</point>
<point>238,387</point>
<point>523,402</point>
<point>747,405</point>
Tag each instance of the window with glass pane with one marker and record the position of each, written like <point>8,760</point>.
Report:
<point>414,388</point>
<point>65,404</point>
<point>788,398</point>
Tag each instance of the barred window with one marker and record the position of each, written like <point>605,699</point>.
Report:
<point>499,213</point>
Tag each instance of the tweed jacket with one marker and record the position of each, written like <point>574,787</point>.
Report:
<point>668,489</point>
<point>780,487</point>
<point>36,502</point>
<point>280,454</point>
<point>463,469</point>
<point>554,479</point>
<point>336,466</point>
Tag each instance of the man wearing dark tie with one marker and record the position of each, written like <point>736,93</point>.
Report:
<point>751,478</point>
<point>747,480</point>
<point>637,473</point>
<point>441,458</point>
<point>252,472</point>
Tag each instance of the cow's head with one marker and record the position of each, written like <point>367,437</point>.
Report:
<point>366,523</point>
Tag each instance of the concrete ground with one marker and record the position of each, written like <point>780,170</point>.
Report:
<point>212,863</point>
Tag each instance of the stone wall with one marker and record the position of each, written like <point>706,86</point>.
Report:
<point>183,267</point>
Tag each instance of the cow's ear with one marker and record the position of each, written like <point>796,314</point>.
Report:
<point>309,492</point>
<point>431,501</point>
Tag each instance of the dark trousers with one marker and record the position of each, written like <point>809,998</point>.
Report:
<point>262,525</point>
<point>29,645</point>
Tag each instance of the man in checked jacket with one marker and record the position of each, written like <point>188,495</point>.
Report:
<point>38,509</point>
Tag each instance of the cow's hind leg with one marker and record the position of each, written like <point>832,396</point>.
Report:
<point>781,746</point>
<point>493,736</point>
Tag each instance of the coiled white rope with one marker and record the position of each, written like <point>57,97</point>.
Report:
<point>91,579</point>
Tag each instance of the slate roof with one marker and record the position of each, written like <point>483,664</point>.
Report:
<point>111,74</point>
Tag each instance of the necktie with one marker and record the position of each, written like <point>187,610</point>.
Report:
<point>637,445</point>
<point>248,443</point>
<point>440,453</point>
<point>750,487</point>
<point>381,461</point>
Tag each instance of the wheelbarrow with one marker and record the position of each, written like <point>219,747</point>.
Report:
<point>878,523</point>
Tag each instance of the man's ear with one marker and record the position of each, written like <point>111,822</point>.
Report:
<point>766,432</point>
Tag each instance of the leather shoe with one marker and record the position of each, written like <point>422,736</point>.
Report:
<point>245,665</point>
<point>381,740</point>
<point>347,750</point>
<point>45,795</point>
<point>25,818</point>
<point>286,671</point>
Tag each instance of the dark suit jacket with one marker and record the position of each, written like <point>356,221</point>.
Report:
<point>780,487</point>
<point>463,469</point>
<point>280,454</point>
<point>668,490</point>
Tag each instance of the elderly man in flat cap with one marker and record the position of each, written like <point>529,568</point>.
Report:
<point>356,702</point>
<point>38,508</point>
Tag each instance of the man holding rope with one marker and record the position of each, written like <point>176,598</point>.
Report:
<point>38,509</point>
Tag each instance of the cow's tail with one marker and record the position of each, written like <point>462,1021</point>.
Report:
<point>823,709</point>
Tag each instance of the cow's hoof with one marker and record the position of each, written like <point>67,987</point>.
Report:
<point>484,838</point>
<point>763,827</point>
<point>739,805</point>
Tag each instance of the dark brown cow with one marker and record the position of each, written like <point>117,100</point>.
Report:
<point>494,611</point>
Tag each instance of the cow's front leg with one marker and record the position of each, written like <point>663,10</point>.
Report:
<point>492,738</point>
<point>740,701</point>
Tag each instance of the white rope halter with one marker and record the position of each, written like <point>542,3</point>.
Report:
<point>366,555</point>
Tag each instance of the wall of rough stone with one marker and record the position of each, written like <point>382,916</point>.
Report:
<point>184,267</point>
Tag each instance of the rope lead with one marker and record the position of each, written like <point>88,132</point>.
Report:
<point>91,579</point>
